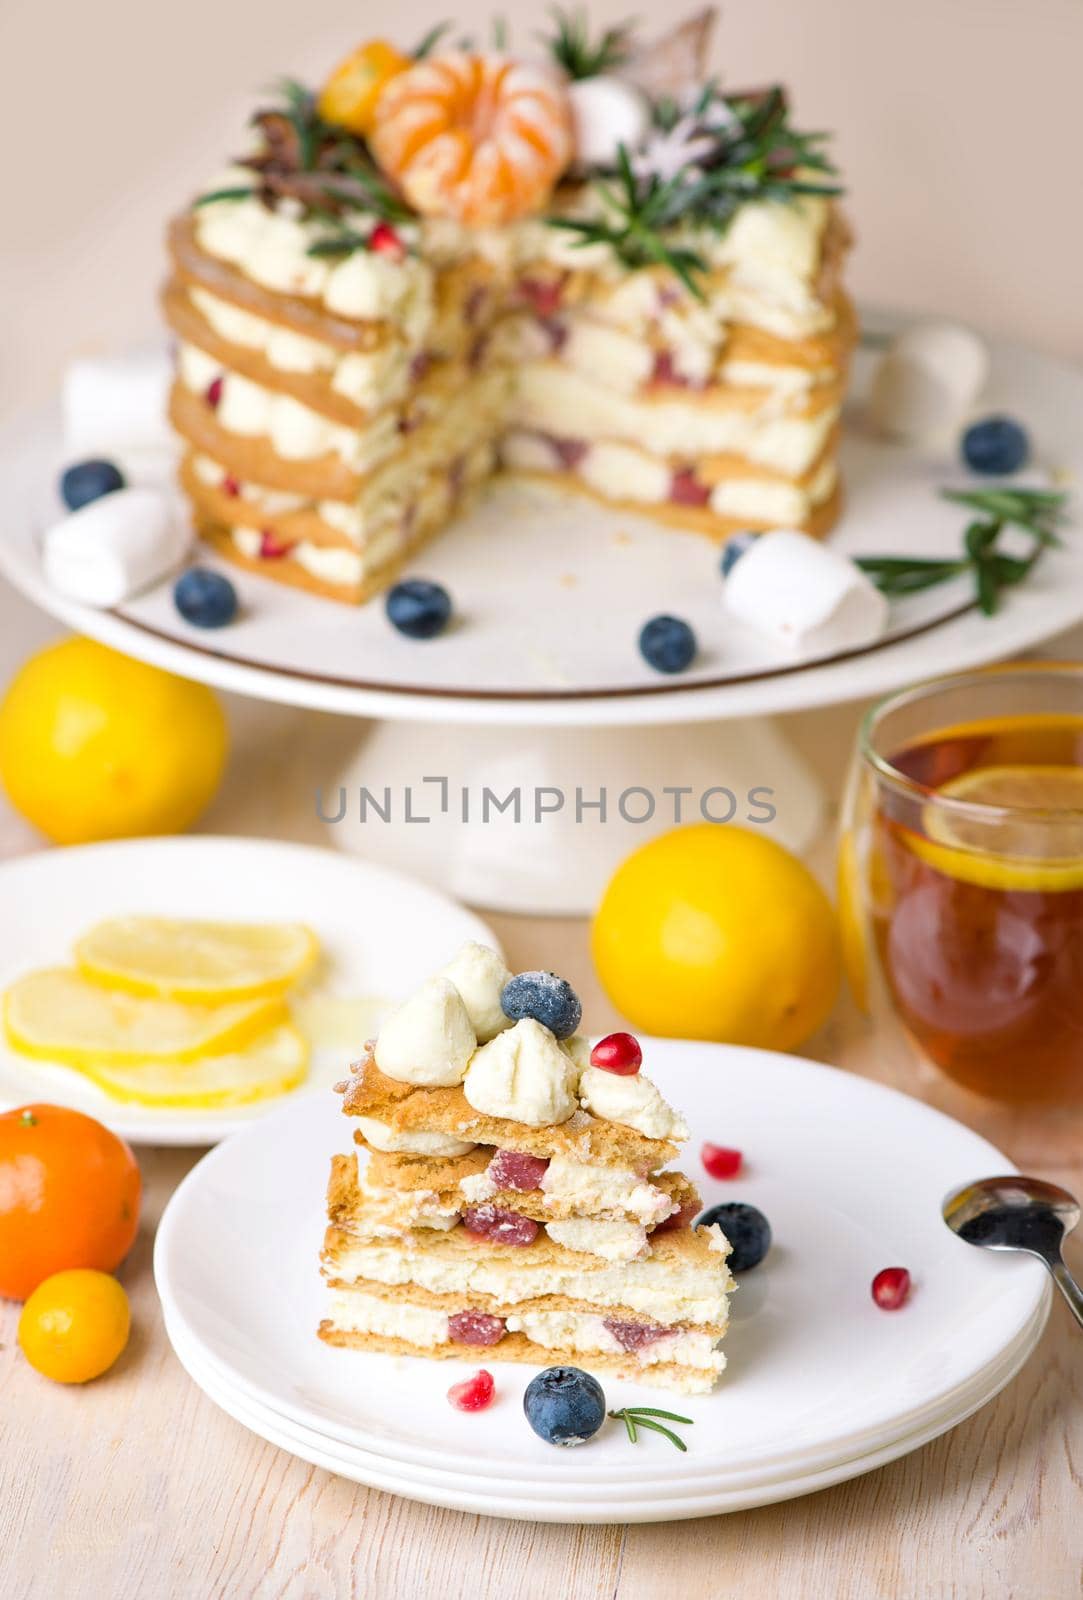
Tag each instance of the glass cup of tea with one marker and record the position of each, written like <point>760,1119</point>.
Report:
<point>961,876</point>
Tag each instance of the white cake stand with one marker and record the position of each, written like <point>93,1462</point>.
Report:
<point>538,689</point>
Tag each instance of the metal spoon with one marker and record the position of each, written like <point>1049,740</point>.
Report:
<point>1018,1213</point>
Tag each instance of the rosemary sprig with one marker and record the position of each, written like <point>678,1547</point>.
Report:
<point>636,1417</point>
<point>213,196</point>
<point>1037,512</point>
<point>430,41</point>
<point>633,225</point>
<point>744,149</point>
<point>573,49</point>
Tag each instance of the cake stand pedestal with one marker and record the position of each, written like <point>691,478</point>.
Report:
<point>537,819</point>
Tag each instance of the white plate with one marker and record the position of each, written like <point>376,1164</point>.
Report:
<point>491,1478</point>
<point>661,1503</point>
<point>552,590</point>
<point>851,1176</point>
<point>383,934</point>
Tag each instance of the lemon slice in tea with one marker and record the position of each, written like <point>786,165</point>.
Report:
<point>275,1063</point>
<point>188,960</point>
<point>57,1015</point>
<point>1037,847</point>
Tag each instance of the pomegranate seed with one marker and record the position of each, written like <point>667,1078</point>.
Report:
<point>270,548</point>
<point>556,332</point>
<point>213,396</point>
<point>891,1288</point>
<point>474,1327</point>
<point>473,304</point>
<point>475,1394</point>
<point>569,452</point>
<point>666,372</point>
<point>514,1169</point>
<point>542,297</point>
<point>685,489</point>
<point>720,1161</point>
<point>500,1227</point>
<point>384,241</point>
<point>230,486</point>
<point>619,1053</point>
<point>679,1219</point>
<point>634,1335</point>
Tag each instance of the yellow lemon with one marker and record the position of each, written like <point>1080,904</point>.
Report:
<point>181,959</point>
<point>271,1065</point>
<point>715,932</point>
<point>55,1014</point>
<point>1031,840</point>
<point>94,745</point>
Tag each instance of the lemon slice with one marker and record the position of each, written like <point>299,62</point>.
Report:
<point>57,1015</point>
<point>273,1064</point>
<point>185,960</point>
<point>1036,848</point>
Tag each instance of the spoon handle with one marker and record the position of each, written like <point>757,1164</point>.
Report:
<point>1069,1289</point>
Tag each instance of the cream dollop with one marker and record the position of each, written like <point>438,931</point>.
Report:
<point>396,1141</point>
<point>633,1101</point>
<point>428,1040</point>
<point>479,975</point>
<point>523,1074</point>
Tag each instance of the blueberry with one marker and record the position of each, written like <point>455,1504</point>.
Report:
<point>89,480</point>
<point>667,644</point>
<point>548,999</point>
<point>564,1405</point>
<point>995,445</point>
<point>747,1230</point>
<point>418,609</point>
<point>204,598</point>
<point>734,548</point>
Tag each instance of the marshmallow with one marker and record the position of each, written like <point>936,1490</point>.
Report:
<point>606,113</point>
<point>927,380</point>
<point>479,975</point>
<point>804,593</point>
<point>112,548</point>
<point>523,1074</point>
<point>634,1101</point>
<point>117,406</point>
<point>429,1040</point>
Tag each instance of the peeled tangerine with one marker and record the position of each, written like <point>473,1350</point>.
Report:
<point>56,1015</point>
<point>180,959</point>
<point>476,138</point>
<point>350,94</point>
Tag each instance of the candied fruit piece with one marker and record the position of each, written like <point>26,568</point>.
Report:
<point>514,1169</point>
<point>499,1226</point>
<point>474,1327</point>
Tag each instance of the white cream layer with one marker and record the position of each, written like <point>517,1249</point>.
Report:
<point>622,472</point>
<point>371,378</point>
<point>553,399</point>
<point>656,1289</point>
<point>354,1311</point>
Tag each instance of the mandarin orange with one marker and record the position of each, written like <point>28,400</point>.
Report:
<point>69,1196</point>
<point>476,138</point>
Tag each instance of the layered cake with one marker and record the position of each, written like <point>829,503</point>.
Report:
<point>596,267</point>
<point>509,1197</point>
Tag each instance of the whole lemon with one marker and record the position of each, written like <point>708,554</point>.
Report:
<point>94,745</point>
<point>75,1325</point>
<point>713,932</point>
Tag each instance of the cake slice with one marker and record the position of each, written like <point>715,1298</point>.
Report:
<point>513,1198</point>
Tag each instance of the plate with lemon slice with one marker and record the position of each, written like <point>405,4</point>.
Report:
<point>177,988</point>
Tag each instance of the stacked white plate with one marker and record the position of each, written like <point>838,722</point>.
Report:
<point>822,1385</point>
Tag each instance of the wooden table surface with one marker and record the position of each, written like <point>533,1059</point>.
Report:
<point>137,1485</point>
